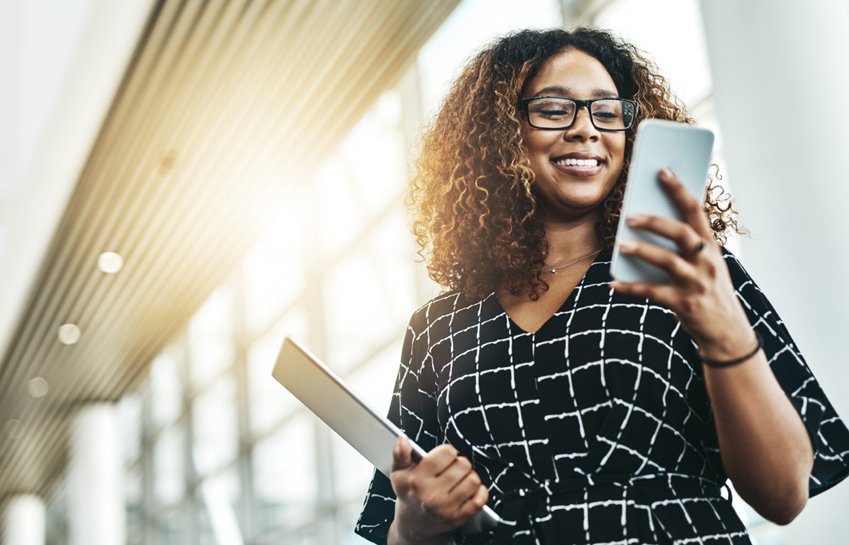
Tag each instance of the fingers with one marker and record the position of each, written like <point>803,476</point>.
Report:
<point>447,485</point>
<point>436,495</point>
<point>443,465</point>
<point>441,458</point>
<point>476,502</point>
<point>466,496</point>
<point>691,209</point>
<point>461,476</point>
<point>674,264</point>
<point>456,474</point>
<point>402,454</point>
<point>683,235</point>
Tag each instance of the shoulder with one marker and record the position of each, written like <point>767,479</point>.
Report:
<point>730,259</point>
<point>441,308</point>
<point>739,275</point>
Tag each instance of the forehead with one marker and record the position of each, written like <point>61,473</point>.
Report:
<point>572,73</point>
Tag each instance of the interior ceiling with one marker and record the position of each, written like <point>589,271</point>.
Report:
<point>222,106</point>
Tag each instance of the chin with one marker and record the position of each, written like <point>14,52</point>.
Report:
<point>581,202</point>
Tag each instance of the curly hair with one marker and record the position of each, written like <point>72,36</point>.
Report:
<point>475,215</point>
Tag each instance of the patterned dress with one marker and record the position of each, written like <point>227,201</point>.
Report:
<point>596,428</point>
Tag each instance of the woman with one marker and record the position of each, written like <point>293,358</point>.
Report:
<point>584,410</point>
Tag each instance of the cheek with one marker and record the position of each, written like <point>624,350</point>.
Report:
<point>538,142</point>
<point>617,151</point>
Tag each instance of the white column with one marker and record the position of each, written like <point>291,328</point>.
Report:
<point>95,481</point>
<point>781,85</point>
<point>24,521</point>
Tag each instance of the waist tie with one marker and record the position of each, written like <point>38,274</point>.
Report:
<point>533,500</point>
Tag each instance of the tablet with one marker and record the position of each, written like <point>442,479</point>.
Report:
<point>685,149</point>
<point>372,435</point>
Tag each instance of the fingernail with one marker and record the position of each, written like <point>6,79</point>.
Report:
<point>666,175</point>
<point>626,245</point>
<point>636,219</point>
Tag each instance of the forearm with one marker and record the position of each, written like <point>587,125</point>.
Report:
<point>764,446</point>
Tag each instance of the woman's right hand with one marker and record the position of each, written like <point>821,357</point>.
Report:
<point>434,496</point>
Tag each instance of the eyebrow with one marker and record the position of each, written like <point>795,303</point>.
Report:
<point>565,92</point>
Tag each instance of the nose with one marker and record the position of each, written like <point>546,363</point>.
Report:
<point>582,128</point>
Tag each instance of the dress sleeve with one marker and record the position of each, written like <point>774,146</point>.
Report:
<point>828,433</point>
<point>413,409</point>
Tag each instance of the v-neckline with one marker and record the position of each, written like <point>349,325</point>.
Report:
<point>564,304</point>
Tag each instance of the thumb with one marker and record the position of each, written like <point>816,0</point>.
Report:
<point>402,454</point>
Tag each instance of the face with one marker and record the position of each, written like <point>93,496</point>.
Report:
<point>574,168</point>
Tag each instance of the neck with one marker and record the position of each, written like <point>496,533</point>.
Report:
<point>571,239</point>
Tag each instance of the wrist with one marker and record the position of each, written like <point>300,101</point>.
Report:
<point>735,339</point>
<point>398,536</point>
<point>731,362</point>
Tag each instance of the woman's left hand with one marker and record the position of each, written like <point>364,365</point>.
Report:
<point>700,291</point>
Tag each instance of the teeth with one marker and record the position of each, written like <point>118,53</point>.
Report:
<point>587,163</point>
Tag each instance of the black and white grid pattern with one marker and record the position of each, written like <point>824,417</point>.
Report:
<point>597,427</point>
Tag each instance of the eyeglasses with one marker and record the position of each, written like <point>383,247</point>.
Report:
<point>558,113</point>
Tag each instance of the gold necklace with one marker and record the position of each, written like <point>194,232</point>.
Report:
<point>553,270</point>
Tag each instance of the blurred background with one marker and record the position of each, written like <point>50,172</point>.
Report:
<point>182,183</point>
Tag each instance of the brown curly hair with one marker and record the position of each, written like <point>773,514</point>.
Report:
<point>475,215</point>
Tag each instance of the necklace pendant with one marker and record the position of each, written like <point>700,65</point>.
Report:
<point>557,268</point>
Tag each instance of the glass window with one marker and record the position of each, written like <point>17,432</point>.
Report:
<point>133,490</point>
<point>169,477</point>
<point>211,337</point>
<point>285,479</point>
<point>374,156</point>
<point>274,269</point>
<point>347,516</point>
<point>356,313</point>
<point>217,503</point>
<point>392,249</point>
<point>166,396</point>
<point>342,213</point>
<point>56,523</point>
<point>366,175</point>
<point>214,417</point>
<point>130,414</point>
<point>172,528</point>
<point>269,401</point>
<point>370,295</point>
<point>134,495</point>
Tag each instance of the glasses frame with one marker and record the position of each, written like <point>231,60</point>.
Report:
<point>525,102</point>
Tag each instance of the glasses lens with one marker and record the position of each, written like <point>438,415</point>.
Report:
<point>613,113</point>
<point>551,112</point>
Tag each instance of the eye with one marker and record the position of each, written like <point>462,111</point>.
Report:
<point>552,113</point>
<point>606,116</point>
<point>607,111</point>
<point>552,109</point>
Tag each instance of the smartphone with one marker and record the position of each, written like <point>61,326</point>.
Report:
<point>684,149</point>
